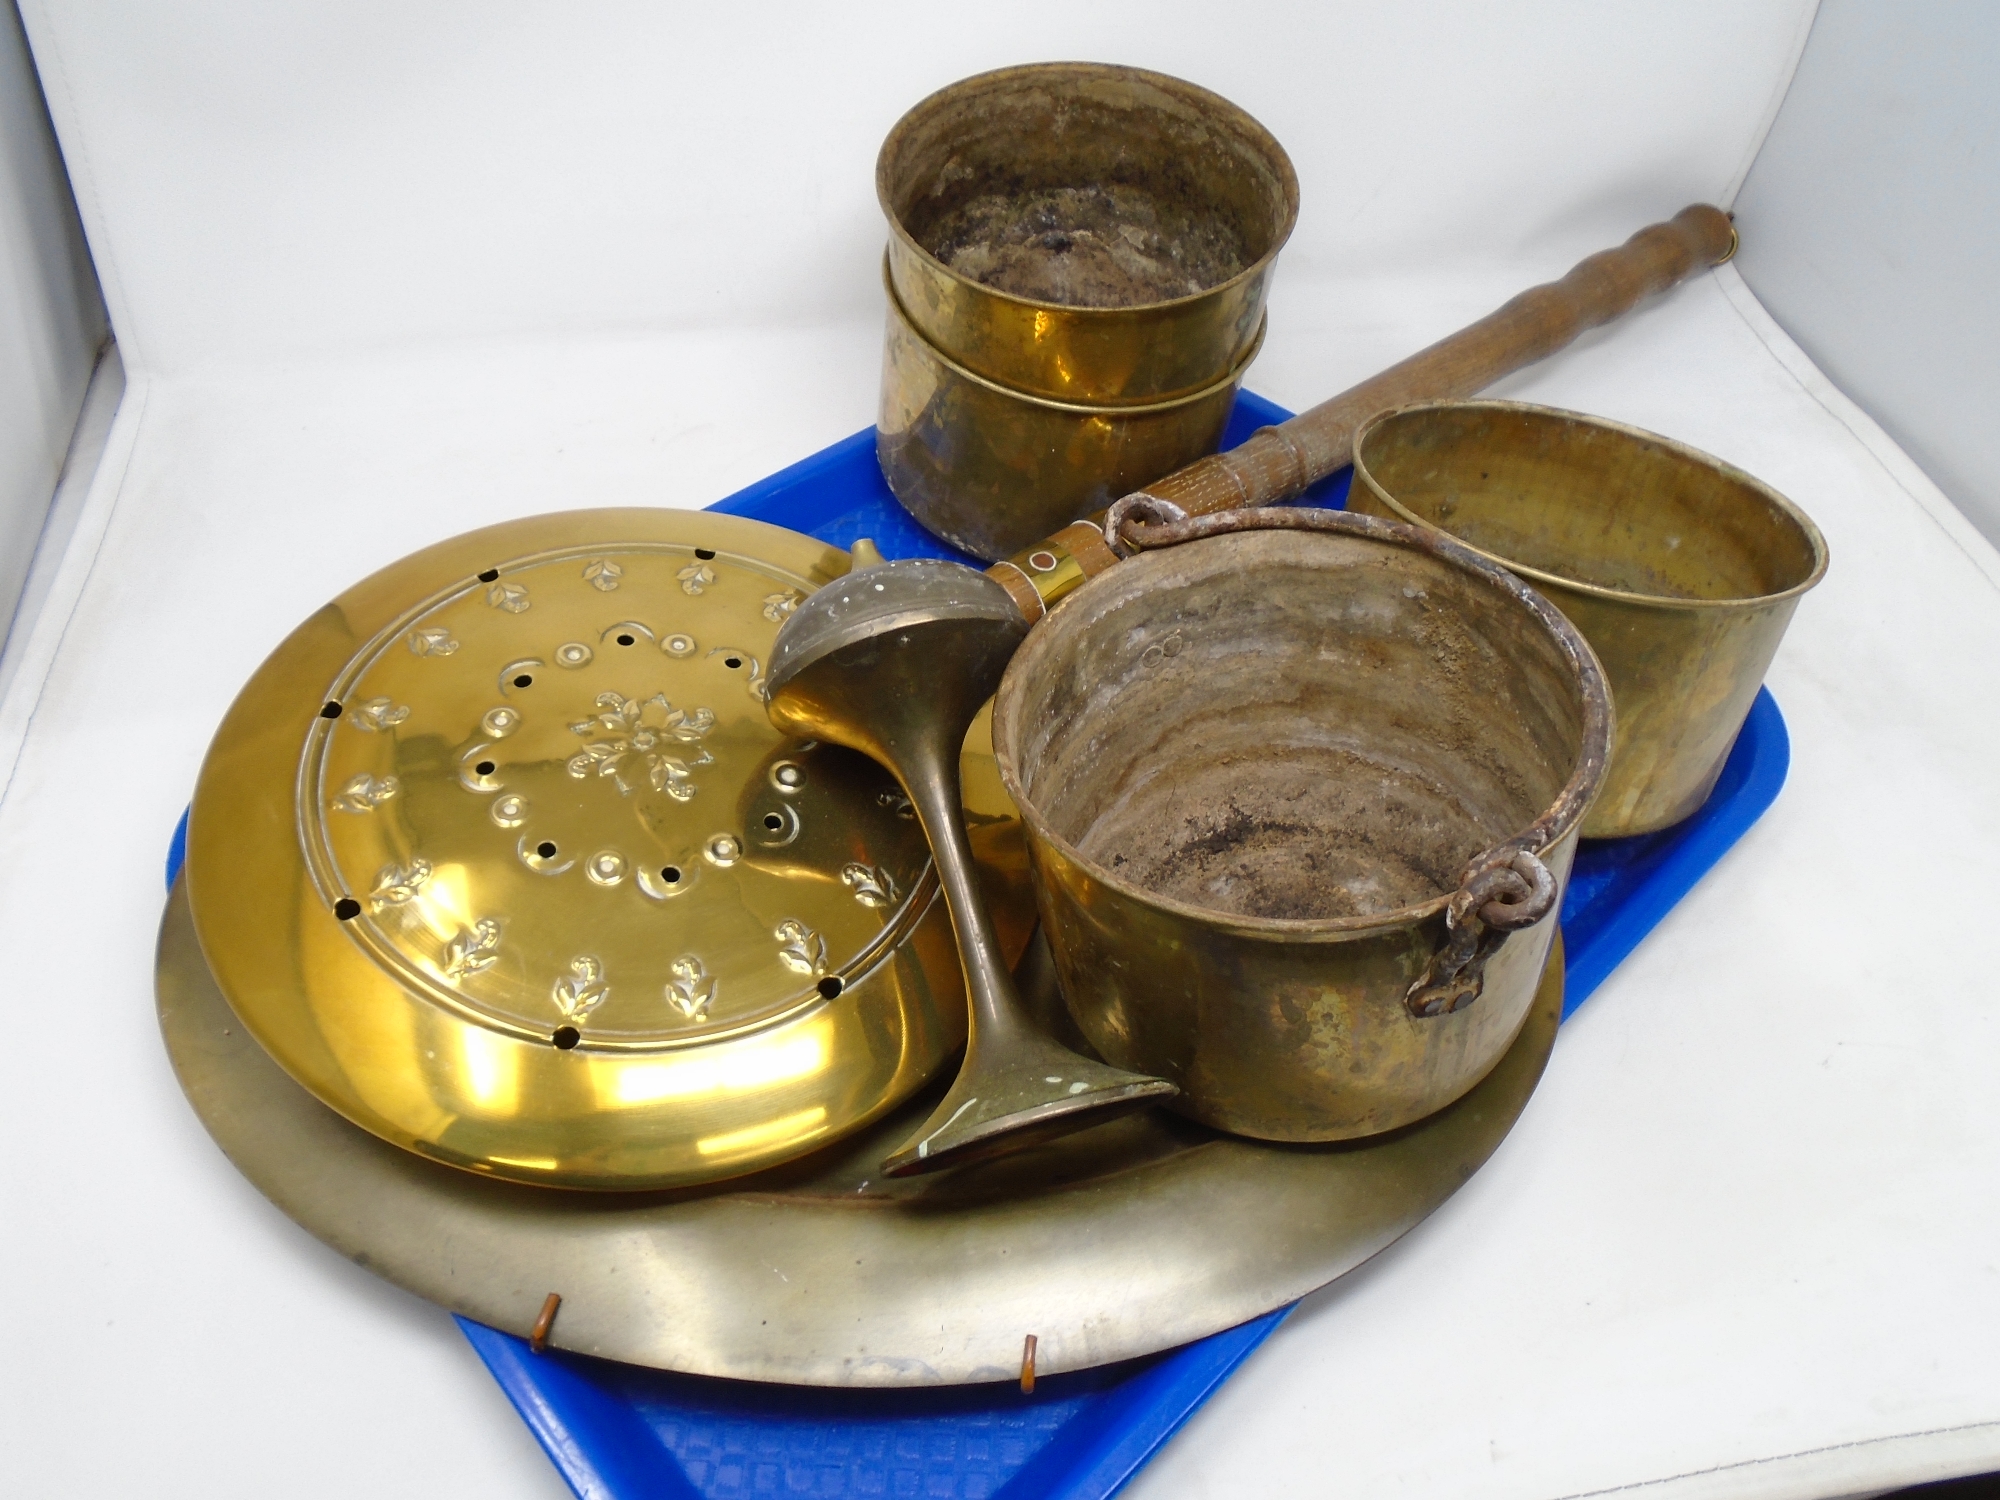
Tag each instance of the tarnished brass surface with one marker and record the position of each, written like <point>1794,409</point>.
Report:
<point>499,855</point>
<point>1175,196</point>
<point>895,661</point>
<point>1261,772</point>
<point>1681,570</point>
<point>1134,1237</point>
<point>990,469</point>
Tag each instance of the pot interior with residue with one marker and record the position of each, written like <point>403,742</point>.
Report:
<point>1289,725</point>
<point>1096,191</point>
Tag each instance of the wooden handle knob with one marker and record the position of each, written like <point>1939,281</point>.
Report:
<point>1280,462</point>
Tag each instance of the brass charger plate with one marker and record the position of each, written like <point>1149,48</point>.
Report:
<point>500,857</point>
<point>1133,1237</point>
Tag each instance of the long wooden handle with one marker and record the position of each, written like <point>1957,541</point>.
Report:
<point>1280,462</point>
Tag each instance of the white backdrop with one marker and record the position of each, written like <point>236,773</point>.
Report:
<point>50,319</point>
<point>267,181</point>
<point>1871,221</point>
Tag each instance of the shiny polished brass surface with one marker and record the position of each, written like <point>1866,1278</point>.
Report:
<point>991,469</point>
<point>1681,570</point>
<point>1270,776</point>
<point>1085,232</point>
<point>896,661</point>
<point>499,855</point>
<point>1135,1237</point>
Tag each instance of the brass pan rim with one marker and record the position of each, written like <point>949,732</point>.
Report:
<point>1777,501</point>
<point>1166,83</point>
<point>1147,407</point>
<point>1573,810</point>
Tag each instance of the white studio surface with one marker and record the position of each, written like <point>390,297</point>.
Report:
<point>380,275</point>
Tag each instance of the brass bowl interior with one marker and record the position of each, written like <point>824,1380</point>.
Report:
<point>1284,727</point>
<point>1084,185</point>
<point>1563,497</point>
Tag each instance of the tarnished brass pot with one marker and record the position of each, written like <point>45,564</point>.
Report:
<point>1681,570</point>
<point>1148,185</point>
<point>1301,797</point>
<point>1077,268</point>
<point>992,470</point>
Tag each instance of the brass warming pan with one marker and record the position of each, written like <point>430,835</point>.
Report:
<point>499,855</point>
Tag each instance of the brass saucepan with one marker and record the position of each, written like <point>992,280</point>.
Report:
<point>1301,795</point>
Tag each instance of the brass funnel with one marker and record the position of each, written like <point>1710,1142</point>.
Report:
<point>895,661</point>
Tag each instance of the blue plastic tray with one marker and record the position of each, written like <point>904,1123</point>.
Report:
<point>618,1432</point>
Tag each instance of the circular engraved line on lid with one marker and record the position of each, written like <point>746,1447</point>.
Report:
<point>582,990</point>
<point>606,867</point>
<point>501,722</point>
<point>376,714</point>
<point>692,989</point>
<point>542,864</point>
<point>723,850</point>
<point>511,811</point>
<point>602,574</point>
<point>678,645</point>
<point>572,654</point>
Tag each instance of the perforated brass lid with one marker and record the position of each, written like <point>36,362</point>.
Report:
<point>499,855</point>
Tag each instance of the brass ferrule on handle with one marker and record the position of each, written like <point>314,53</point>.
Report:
<point>1278,463</point>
